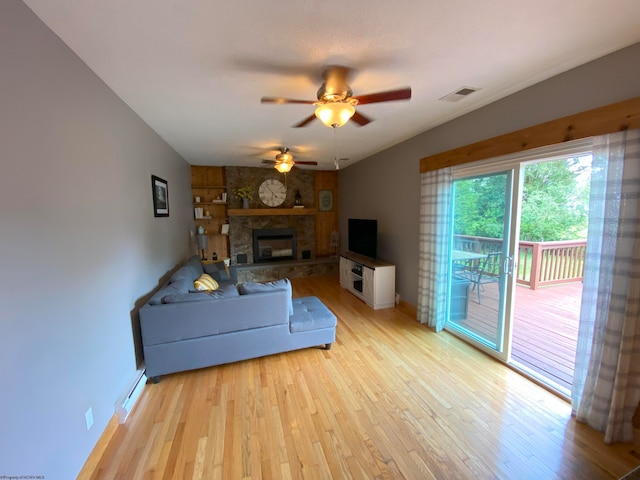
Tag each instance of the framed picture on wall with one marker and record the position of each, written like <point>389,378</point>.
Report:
<point>325,200</point>
<point>160,190</point>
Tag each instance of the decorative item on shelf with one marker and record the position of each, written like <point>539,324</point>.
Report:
<point>224,197</point>
<point>197,212</point>
<point>214,256</point>
<point>298,199</point>
<point>200,230</point>
<point>197,199</point>
<point>224,229</point>
<point>245,193</point>
<point>203,244</point>
<point>325,200</point>
<point>207,213</point>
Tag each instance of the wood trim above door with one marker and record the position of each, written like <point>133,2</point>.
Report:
<point>612,118</point>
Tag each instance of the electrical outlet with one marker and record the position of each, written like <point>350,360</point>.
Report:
<point>88,417</point>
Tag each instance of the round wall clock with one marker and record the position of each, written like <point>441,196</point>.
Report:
<point>272,192</point>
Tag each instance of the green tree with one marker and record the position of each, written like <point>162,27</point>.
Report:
<point>554,202</point>
<point>479,206</point>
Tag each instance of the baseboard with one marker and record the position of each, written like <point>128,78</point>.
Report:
<point>122,409</point>
<point>407,308</point>
<point>95,456</point>
<point>128,399</point>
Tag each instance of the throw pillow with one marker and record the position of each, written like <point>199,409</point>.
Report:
<point>205,282</point>
<point>284,284</point>
<point>188,297</point>
<point>226,291</point>
<point>191,270</point>
<point>218,270</point>
<point>186,272</point>
<point>181,286</point>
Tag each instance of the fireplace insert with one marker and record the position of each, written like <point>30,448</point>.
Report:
<point>274,244</point>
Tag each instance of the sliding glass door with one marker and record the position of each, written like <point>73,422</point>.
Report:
<point>479,259</point>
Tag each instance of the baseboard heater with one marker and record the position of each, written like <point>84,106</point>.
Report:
<point>125,403</point>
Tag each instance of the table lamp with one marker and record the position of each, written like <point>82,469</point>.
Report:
<point>203,244</point>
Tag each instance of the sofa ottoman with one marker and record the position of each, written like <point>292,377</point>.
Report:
<point>310,314</point>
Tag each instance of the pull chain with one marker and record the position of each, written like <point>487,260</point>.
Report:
<point>335,150</point>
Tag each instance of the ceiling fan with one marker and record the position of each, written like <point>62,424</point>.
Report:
<point>284,161</point>
<point>336,102</point>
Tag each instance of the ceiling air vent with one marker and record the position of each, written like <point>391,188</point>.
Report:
<point>459,94</point>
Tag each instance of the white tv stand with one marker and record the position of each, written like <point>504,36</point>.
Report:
<point>372,281</point>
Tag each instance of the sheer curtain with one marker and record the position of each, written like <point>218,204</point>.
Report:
<point>606,384</point>
<point>434,241</point>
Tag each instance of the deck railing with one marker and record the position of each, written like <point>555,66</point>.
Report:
<point>551,262</point>
<point>539,263</point>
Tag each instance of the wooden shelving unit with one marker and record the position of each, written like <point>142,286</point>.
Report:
<point>209,184</point>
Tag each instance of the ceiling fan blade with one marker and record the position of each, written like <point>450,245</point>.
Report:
<point>305,163</point>
<point>281,100</point>
<point>305,122</point>
<point>399,94</point>
<point>361,119</point>
<point>270,162</point>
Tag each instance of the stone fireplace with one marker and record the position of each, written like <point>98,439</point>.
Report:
<point>274,244</point>
<point>243,243</point>
<point>309,253</point>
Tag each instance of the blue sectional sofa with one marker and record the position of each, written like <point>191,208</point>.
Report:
<point>183,329</point>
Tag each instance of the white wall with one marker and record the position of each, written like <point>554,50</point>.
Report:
<point>80,246</point>
<point>386,186</point>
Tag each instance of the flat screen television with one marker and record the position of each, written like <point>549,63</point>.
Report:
<point>363,236</point>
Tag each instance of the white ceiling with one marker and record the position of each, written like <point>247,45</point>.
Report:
<point>195,70</point>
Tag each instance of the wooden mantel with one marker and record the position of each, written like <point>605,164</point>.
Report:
<point>250,212</point>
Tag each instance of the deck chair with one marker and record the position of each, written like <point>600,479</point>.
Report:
<point>486,271</point>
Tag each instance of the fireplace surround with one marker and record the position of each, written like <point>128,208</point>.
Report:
<point>274,244</point>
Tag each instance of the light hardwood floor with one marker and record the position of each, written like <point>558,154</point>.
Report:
<point>390,400</point>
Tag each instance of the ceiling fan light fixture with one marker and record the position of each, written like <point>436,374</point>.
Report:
<point>335,114</point>
<point>284,167</point>
<point>284,157</point>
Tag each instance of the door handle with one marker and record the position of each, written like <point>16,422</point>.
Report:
<point>508,265</point>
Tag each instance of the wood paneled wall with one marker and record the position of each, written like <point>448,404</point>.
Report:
<point>209,183</point>
<point>326,222</point>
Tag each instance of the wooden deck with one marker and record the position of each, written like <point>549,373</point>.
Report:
<point>545,328</point>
